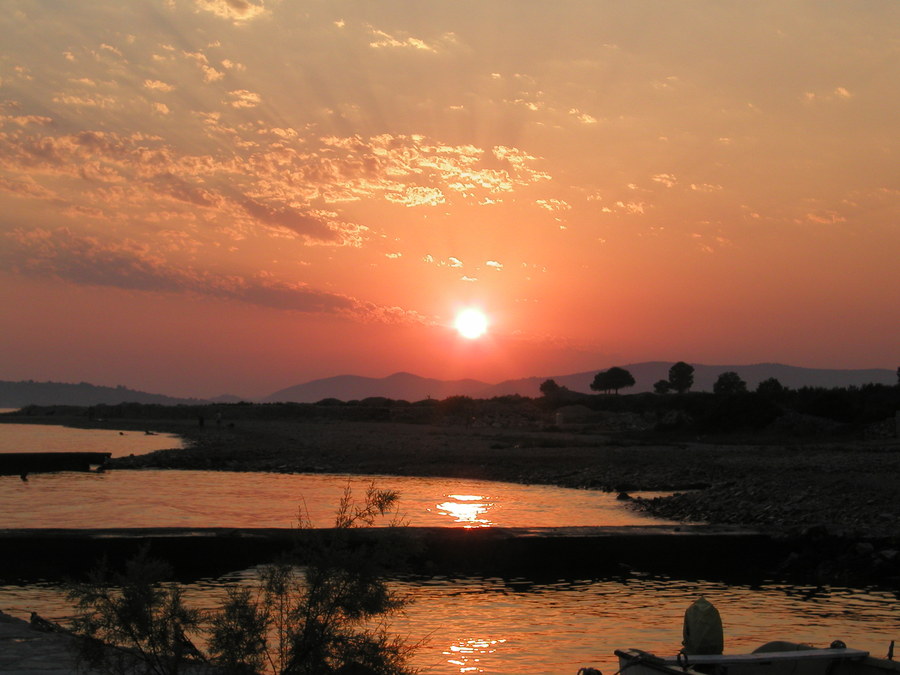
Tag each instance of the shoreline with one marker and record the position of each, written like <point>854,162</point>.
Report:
<point>843,492</point>
<point>843,486</point>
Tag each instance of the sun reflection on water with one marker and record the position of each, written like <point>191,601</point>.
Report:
<point>465,653</point>
<point>467,509</point>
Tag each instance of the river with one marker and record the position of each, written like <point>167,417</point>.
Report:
<point>469,624</point>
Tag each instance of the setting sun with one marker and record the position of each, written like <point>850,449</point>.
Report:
<point>471,323</point>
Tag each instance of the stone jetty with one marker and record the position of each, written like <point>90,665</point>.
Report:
<point>713,551</point>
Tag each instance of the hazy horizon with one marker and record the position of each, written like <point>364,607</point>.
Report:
<point>201,197</point>
<point>705,374</point>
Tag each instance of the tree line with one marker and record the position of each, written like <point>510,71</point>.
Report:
<point>680,380</point>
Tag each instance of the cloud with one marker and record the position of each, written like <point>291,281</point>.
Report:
<point>633,208</point>
<point>304,224</point>
<point>111,49</point>
<point>236,10</point>
<point>836,94</point>
<point>825,218</point>
<point>554,205</point>
<point>705,187</point>
<point>583,117</point>
<point>129,265</point>
<point>496,265</point>
<point>841,92</point>
<point>244,99</point>
<point>84,101</point>
<point>667,179</point>
<point>210,74</point>
<point>158,85</point>
<point>417,196</point>
<point>26,120</point>
<point>384,40</point>
<point>26,187</point>
<point>260,179</point>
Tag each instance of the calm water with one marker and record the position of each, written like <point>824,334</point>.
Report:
<point>240,499</point>
<point>473,625</point>
<point>49,438</point>
<point>243,499</point>
<point>478,625</point>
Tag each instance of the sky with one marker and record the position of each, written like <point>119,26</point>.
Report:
<point>201,197</point>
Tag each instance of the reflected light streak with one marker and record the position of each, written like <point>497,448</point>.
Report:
<point>467,509</point>
<point>464,655</point>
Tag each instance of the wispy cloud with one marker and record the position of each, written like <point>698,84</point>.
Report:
<point>210,74</point>
<point>158,85</point>
<point>384,40</point>
<point>242,98</point>
<point>236,10</point>
<point>129,265</point>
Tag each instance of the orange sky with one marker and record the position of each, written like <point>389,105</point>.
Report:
<point>210,196</point>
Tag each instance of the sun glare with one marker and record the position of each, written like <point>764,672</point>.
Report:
<point>471,323</point>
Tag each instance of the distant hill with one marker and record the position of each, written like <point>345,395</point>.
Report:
<point>20,394</point>
<point>410,387</point>
<point>399,386</point>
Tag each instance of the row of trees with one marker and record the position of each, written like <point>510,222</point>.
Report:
<point>681,379</point>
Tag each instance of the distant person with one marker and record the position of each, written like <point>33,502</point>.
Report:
<point>218,419</point>
<point>200,420</point>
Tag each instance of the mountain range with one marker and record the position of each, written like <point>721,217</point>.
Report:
<point>409,387</point>
<point>29,392</point>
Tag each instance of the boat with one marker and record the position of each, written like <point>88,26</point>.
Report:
<point>701,654</point>
<point>772,658</point>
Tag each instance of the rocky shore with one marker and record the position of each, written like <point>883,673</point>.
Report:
<point>837,499</point>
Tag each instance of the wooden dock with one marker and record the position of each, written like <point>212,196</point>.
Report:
<point>24,463</point>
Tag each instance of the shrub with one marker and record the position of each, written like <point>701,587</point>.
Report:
<point>309,620</point>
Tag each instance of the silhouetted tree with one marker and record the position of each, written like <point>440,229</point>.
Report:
<point>729,383</point>
<point>615,378</point>
<point>770,388</point>
<point>549,387</point>
<point>681,377</point>
<point>662,387</point>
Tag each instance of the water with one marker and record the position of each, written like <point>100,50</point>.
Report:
<point>157,498</point>
<point>489,625</point>
<point>471,625</point>
<point>51,438</point>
